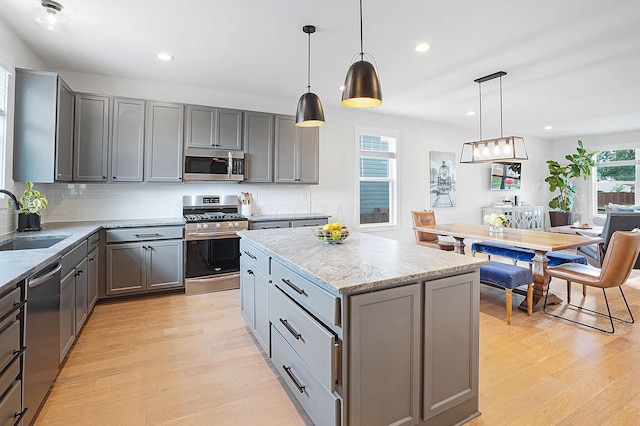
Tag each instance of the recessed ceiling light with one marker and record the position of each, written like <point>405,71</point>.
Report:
<point>165,57</point>
<point>548,127</point>
<point>470,113</point>
<point>422,47</point>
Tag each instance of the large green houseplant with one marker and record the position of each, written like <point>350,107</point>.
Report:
<point>560,182</point>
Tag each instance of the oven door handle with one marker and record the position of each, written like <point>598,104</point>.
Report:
<point>209,236</point>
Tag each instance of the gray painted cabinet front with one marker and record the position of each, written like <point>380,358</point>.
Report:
<point>125,268</point>
<point>93,276</point>
<point>296,152</point>
<point>164,142</point>
<point>228,131</point>
<point>164,264</point>
<point>81,294</point>
<point>43,127</point>
<point>91,138</point>
<point>258,147</point>
<point>210,127</point>
<point>127,140</point>
<point>67,313</point>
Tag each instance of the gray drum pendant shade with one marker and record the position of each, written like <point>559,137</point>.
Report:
<point>361,86</point>
<point>309,112</point>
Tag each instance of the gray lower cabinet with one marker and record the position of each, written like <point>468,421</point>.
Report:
<point>296,152</point>
<point>210,127</point>
<point>127,140</point>
<point>67,314</point>
<point>140,260</point>
<point>12,346</point>
<point>163,142</point>
<point>93,270</point>
<point>43,127</point>
<point>258,147</point>
<point>91,138</point>
<point>294,223</point>
<point>254,293</point>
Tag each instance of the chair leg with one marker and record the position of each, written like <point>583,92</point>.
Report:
<point>529,299</point>
<point>508,303</point>
<point>568,291</point>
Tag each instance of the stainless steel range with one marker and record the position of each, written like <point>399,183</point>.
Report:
<point>212,245</point>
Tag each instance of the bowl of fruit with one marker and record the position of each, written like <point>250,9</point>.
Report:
<point>332,233</point>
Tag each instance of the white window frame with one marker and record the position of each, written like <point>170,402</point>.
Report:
<point>393,192</point>
<point>593,186</point>
<point>4,105</point>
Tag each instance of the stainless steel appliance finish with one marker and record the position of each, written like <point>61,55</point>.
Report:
<point>212,245</point>
<point>42,336</point>
<point>207,164</point>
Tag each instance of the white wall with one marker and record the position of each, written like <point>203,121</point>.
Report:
<point>13,54</point>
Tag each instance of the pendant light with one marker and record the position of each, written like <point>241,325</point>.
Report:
<point>309,112</point>
<point>49,16</point>
<point>361,86</point>
<point>504,148</point>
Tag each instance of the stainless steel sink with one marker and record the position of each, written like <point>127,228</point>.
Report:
<point>28,243</point>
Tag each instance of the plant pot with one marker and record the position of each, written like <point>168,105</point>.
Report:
<point>560,218</point>
<point>29,222</point>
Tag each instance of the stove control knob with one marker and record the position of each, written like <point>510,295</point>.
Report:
<point>229,225</point>
<point>198,225</point>
<point>236,224</point>
<point>217,225</point>
<point>205,225</point>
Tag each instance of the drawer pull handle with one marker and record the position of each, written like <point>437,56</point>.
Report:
<point>291,329</point>
<point>155,234</point>
<point>19,416</point>
<point>293,378</point>
<point>250,255</point>
<point>249,271</point>
<point>16,307</point>
<point>293,286</point>
<point>16,356</point>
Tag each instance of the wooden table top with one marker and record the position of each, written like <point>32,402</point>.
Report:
<point>525,238</point>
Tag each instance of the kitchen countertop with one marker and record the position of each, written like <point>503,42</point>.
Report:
<point>16,265</point>
<point>362,262</point>
<point>286,216</point>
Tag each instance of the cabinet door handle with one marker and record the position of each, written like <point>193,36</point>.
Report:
<point>249,271</point>
<point>250,255</point>
<point>155,234</point>
<point>293,378</point>
<point>291,329</point>
<point>293,286</point>
<point>79,272</point>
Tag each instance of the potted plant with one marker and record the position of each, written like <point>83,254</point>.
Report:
<point>560,183</point>
<point>30,207</point>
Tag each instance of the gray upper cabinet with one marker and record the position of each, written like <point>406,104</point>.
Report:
<point>91,138</point>
<point>296,152</point>
<point>43,127</point>
<point>164,142</point>
<point>127,143</point>
<point>258,147</point>
<point>210,127</point>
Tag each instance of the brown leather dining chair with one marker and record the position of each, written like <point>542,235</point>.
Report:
<point>428,218</point>
<point>618,262</point>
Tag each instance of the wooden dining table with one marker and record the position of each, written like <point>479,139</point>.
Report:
<point>540,242</point>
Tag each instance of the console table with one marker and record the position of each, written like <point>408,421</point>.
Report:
<point>526,217</point>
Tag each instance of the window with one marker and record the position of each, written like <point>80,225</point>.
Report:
<point>377,177</point>
<point>616,178</point>
<point>4,77</point>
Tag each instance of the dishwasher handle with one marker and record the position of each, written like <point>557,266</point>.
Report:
<point>34,282</point>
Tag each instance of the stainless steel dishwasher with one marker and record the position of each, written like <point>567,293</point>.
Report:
<point>42,336</point>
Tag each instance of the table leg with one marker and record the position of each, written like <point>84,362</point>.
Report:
<point>540,283</point>
<point>458,245</point>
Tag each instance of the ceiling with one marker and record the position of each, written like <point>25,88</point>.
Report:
<point>571,64</point>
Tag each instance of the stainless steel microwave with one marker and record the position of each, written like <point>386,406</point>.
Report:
<point>208,164</point>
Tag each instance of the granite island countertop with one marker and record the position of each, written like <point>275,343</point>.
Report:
<point>362,262</point>
<point>16,265</point>
<point>286,216</point>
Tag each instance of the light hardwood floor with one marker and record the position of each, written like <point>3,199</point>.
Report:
<point>189,360</point>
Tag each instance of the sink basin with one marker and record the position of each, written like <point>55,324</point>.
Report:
<point>28,243</point>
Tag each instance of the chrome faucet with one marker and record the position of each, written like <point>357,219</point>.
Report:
<point>13,197</point>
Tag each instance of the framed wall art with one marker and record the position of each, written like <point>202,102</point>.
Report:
<point>443,179</point>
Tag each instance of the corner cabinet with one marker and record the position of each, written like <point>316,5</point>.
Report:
<point>43,128</point>
<point>164,142</point>
<point>296,152</point>
<point>91,138</point>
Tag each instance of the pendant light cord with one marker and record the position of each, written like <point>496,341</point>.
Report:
<point>361,36</point>
<point>309,64</point>
<point>501,106</point>
<point>480,93</point>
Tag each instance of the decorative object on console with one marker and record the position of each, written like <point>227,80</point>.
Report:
<point>496,222</point>
<point>443,179</point>
<point>309,112</point>
<point>559,181</point>
<point>498,149</point>
<point>362,86</point>
<point>506,176</point>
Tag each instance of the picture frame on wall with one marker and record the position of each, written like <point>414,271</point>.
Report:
<point>442,179</point>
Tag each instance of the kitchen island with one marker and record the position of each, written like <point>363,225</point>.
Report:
<point>372,331</point>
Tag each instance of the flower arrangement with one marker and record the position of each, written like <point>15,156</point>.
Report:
<point>496,220</point>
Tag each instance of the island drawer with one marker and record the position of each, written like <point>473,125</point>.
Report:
<point>9,302</point>
<point>9,377</point>
<point>306,293</point>
<point>11,405</point>
<point>144,234</point>
<point>321,405</point>
<point>311,340</point>
<point>255,256</point>
<point>308,222</point>
<point>272,224</point>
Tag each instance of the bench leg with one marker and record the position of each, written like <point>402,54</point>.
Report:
<point>568,291</point>
<point>529,299</point>
<point>508,306</point>
<point>584,290</point>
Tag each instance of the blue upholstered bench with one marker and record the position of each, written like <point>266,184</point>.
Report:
<point>555,258</point>
<point>508,277</point>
